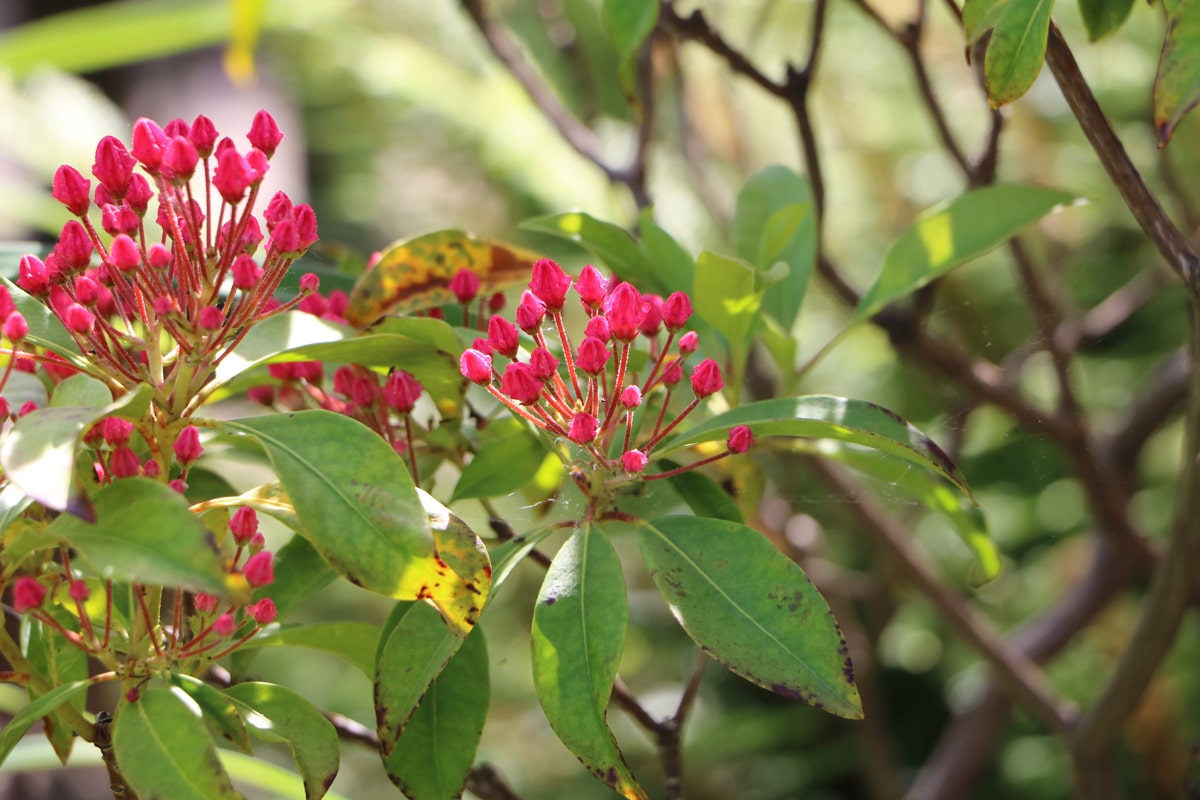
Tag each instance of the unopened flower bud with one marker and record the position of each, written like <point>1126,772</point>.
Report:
<point>465,286</point>
<point>624,311</point>
<point>549,283</point>
<point>476,366</point>
<point>706,378</point>
<point>205,603</point>
<point>591,287</point>
<point>78,319</point>
<point>592,357</point>
<point>259,569</point>
<point>179,160</point>
<point>634,461</point>
<point>139,194</point>
<point>243,524</point>
<point>521,383</point>
<point>72,190</point>
<point>673,373</point>
<point>233,175</point>
<point>246,272</point>
<point>676,311</point>
<point>651,314</point>
<point>32,275</point>
<point>264,133</point>
<point>124,254</point>
<point>79,592</point>
<point>598,328</point>
<point>583,428</point>
<point>530,312</point>
<point>15,327</point>
<point>187,447</point>
<point>28,594</point>
<point>116,431</point>
<point>149,143</point>
<point>401,391</point>
<point>503,336</point>
<point>159,256</point>
<point>203,135</point>
<point>224,625</point>
<point>124,463</point>
<point>741,439</point>
<point>688,343</point>
<point>114,165</point>
<point>543,363</point>
<point>631,397</point>
<point>309,282</point>
<point>210,318</point>
<point>263,612</point>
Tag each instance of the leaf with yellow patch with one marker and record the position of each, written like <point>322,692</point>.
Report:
<point>364,517</point>
<point>415,274</point>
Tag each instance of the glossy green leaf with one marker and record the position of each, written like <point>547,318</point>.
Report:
<point>45,330</point>
<point>415,652</point>
<point>954,233</point>
<point>628,23</point>
<point>59,662</point>
<point>501,466</point>
<point>1017,48</point>
<point>276,714</point>
<point>1177,83</point>
<point>1102,17</point>
<point>299,572</point>
<point>145,532</point>
<point>16,727</point>
<point>164,750</point>
<point>433,756</point>
<point>672,264</point>
<point>12,502</point>
<point>752,609</point>
<point>726,295</point>
<point>22,388</point>
<point>703,495</point>
<point>363,514</point>
<point>612,244</point>
<point>774,222</point>
<point>218,712</point>
<point>825,417</point>
<point>578,635</point>
<point>38,454</point>
<point>353,642</point>
<point>281,333</point>
<point>81,390</point>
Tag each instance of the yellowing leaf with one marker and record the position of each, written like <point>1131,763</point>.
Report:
<point>415,274</point>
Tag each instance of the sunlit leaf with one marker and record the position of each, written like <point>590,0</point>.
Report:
<point>353,642</point>
<point>952,234</point>
<point>363,514</point>
<point>274,336</point>
<point>433,756</point>
<point>610,243</point>
<point>825,417</point>
<point>144,531</point>
<point>501,466</point>
<point>38,454</point>
<point>218,712</point>
<point>1177,84</point>
<point>276,714</point>
<point>752,609</point>
<point>165,751</point>
<point>415,274</point>
<point>59,662</point>
<point>1017,46</point>
<point>21,722</point>
<point>81,390</point>
<point>578,635</point>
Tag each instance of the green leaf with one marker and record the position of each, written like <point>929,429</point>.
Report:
<point>299,572</point>
<point>38,454</point>
<point>954,233</point>
<point>1102,17</point>
<point>415,652</point>
<point>774,222</point>
<point>277,714</point>
<point>612,244</point>
<point>825,417</point>
<point>726,296</point>
<point>218,712</point>
<point>45,329</point>
<point>12,502</point>
<point>432,758</point>
<point>578,635</point>
<point>164,750</point>
<point>1017,48</point>
<point>16,727</point>
<point>363,514</point>
<point>81,390</point>
<point>274,336</point>
<point>1177,83</point>
<point>673,265</point>
<point>752,609</point>
<point>144,531</point>
<point>702,494</point>
<point>353,642</point>
<point>628,23</point>
<point>501,466</point>
<point>60,662</point>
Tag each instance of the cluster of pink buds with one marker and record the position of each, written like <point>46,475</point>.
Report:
<point>202,629</point>
<point>596,398</point>
<point>202,272</point>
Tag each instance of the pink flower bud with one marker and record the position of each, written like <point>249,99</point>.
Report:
<point>149,143</point>
<point>706,378</point>
<point>233,175</point>
<point>496,301</point>
<point>339,301</point>
<point>258,165</point>
<point>401,391</point>
<point>260,569</point>
<point>72,190</point>
<point>179,485</point>
<point>530,312</point>
<point>210,318</point>
<point>583,428</point>
<point>123,253</point>
<point>246,272</point>
<point>465,286</point>
<point>263,612</point>
<point>5,410</point>
<point>114,165</point>
<point>689,342</point>
<point>32,275</point>
<point>257,542</point>
<point>164,305</point>
<point>305,221</point>
<point>243,524</point>
<point>476,366</point>
<point>278,209</point>
<point>502,336</point>
<point>652,314</point>
<point>204,603</point>
<point>676,311</point>
<point>591,286</point>
<point>264,395</point>
<point>28,594</point>
<point>624,311</point>
<point>365,390</point>
<point>520,383</point>
<point>78,319</point>
<point>79,592</point>
<point>176,127</point>
<point>179,160</point>
<point>151,469</point>
<point>203,135</point>
<point>673,373</point>
<point>543,363</point>
<point>74,246</point>
<point>139,194</point>
<point>15,327</point>
<point>631,397</point>
<point>118,219</point>
<point>549,283</point>
<point>309,282</point>
<point>598,328</point>
<point>593,355</point>
<point>311,371</point>
<point>159,256</point>
<point>187,447</point>
<point>633,461</point>
<point>7,306</point>
<point>27,408</point>
<point>124,463</point>
<point>116,431</point>
<point>224,625</point>
<point>264,133</point>
<point>313,304</point>
<point>740,439</point>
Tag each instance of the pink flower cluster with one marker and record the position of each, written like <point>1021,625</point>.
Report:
<point>597,396</point>
<point>202,270</point>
